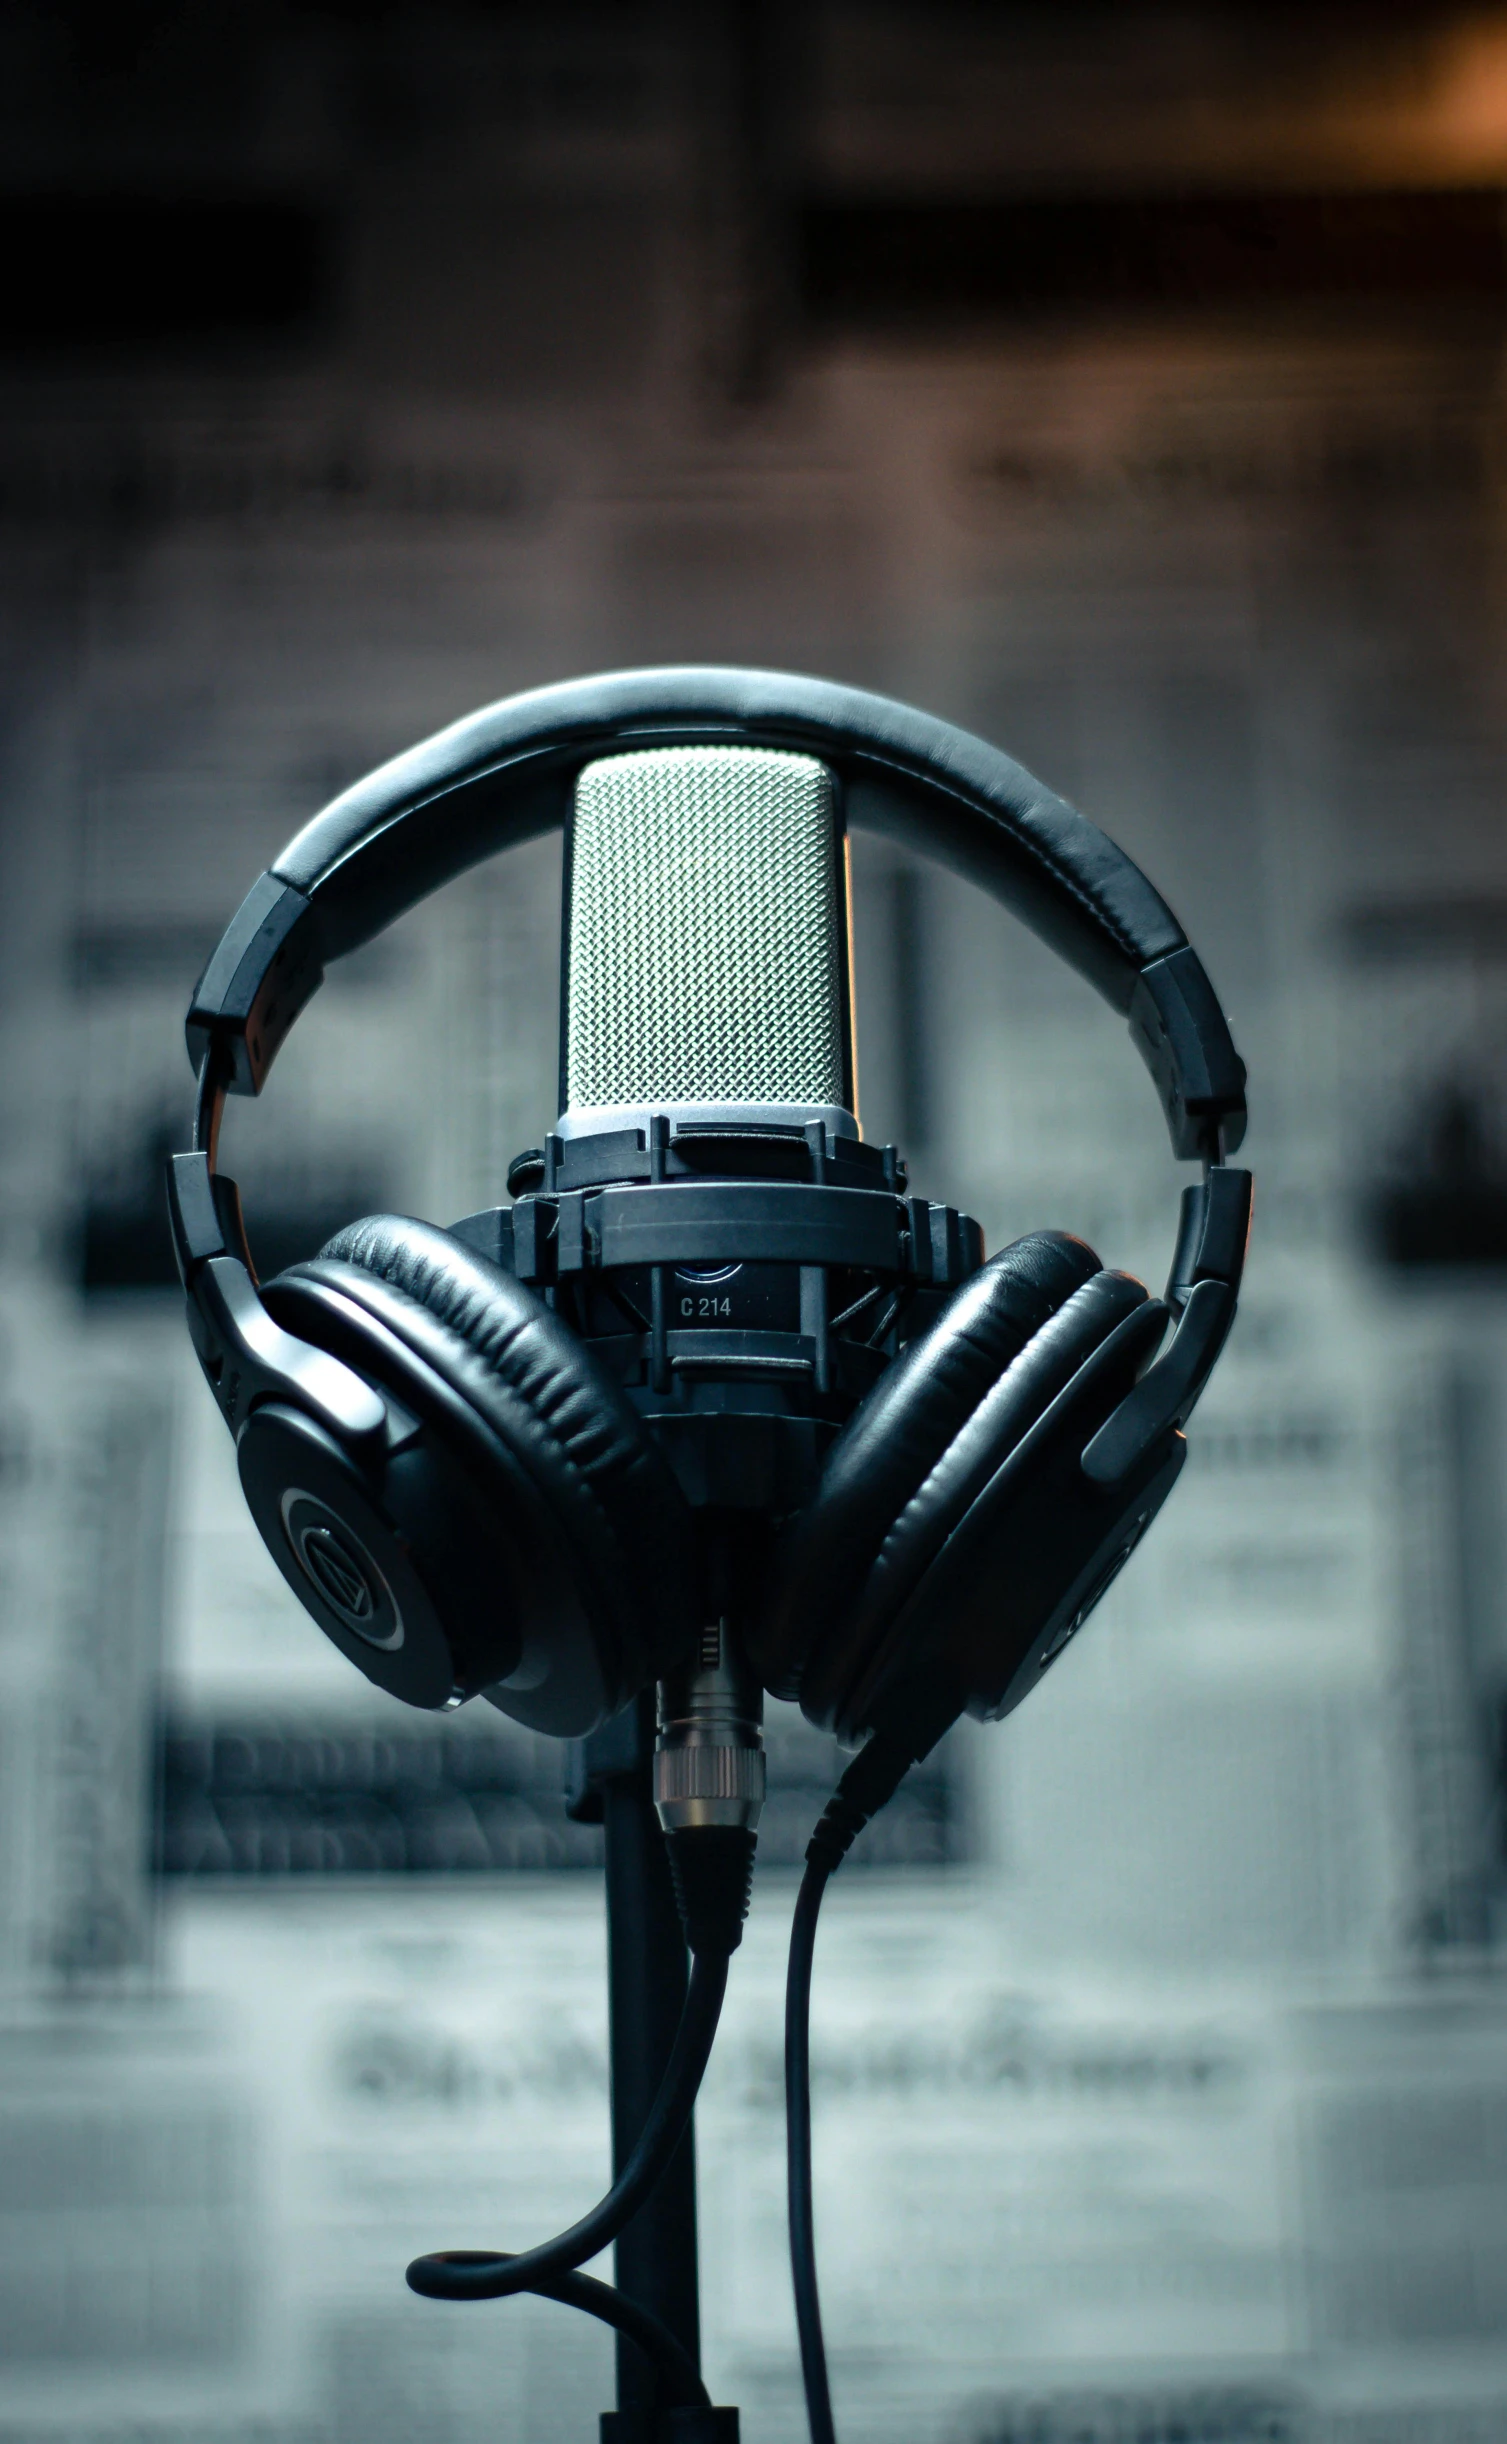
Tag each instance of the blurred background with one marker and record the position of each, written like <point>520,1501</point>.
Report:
<point>1126,383</point>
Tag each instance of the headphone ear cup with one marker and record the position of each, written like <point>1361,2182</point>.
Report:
<point>853,1612</point>
<point>383,1548</point>
<point>523,1505</point>
<point>895,1438</point>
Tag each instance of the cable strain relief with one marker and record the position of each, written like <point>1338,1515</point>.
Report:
<point>871,1780</point>
<point>711,1868</point>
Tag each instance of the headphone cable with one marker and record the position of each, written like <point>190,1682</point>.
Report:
<point>550,2269</point>
<point>808,2314</point>
<point>680,2385</point>
<point>872,1779</point>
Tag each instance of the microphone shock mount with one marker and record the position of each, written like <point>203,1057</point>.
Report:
<point>745,1284</point>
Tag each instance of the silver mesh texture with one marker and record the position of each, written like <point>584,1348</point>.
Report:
<point>703,942</point>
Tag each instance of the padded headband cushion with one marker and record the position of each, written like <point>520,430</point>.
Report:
<point>507,772</point>
<point>906,1468</point>
<point>531,1385</point>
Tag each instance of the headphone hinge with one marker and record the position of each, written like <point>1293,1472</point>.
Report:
<point>1212,1234</point>
<point>1164,1398</point>
<point>193,1213</point>
<point>249,1359</point>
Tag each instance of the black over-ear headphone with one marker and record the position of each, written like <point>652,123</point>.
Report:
<point>473,1487</point>
<point>888,1478</point>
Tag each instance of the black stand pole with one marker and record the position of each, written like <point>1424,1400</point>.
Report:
<point>655,2258</point>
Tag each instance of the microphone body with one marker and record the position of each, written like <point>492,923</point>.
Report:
<point>706,1215</point>
<point>706,944</point>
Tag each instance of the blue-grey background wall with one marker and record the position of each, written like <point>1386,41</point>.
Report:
<point>1127,384</point>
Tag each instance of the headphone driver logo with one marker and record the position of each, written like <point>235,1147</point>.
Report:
<point>341,1570</point>
<point>337,1574</point>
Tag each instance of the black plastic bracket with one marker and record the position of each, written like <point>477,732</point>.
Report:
<point>1212,1234</point>
<point>685,2426</point>
<point>193,1213</point>
<point>204,1216</point>
<point>1184,1039</point>
<point>733,1221</point>
<point>743,1222</point>
<point>266,967</point>
<point>607,1158</point>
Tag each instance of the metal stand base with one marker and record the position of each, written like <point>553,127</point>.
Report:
<point>672,2427</point>
<point>655,2258</point>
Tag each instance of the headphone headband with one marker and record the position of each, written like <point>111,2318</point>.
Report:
<point>505,774</point>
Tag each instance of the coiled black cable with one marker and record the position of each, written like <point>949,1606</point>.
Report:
<point>680,2383</point>
<point>873,1777</point>
<point>495,2274</point>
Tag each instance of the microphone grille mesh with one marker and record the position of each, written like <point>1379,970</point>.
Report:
<point>703,938</point>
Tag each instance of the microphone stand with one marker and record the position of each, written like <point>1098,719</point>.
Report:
<point>610,1783</point>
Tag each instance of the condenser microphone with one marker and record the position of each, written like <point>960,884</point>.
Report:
<point>706,945</point>
<point>705,996</point>
<point>705,1214</point>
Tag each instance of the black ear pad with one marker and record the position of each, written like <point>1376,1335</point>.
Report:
<point>548,1538</point>
<point>853,1598</point>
